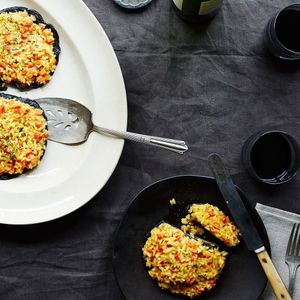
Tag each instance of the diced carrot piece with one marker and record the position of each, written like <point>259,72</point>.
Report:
<point>211,213</point>
<point>43,73</point>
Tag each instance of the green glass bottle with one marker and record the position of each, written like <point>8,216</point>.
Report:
<point>197,11</point>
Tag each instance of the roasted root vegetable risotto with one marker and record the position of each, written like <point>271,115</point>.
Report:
<point>23,136</point>
<point>215,221</point>
<point>180,263</point>
<point>183,263</point>
<point>26,50</point>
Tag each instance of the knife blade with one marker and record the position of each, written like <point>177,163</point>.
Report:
<point>235,204</point>
<point>244,222</point>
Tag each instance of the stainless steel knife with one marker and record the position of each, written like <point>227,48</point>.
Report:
<point>244,222</point>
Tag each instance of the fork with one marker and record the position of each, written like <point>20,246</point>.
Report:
<point>292,256</point>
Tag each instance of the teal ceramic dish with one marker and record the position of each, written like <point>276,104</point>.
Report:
<point>132,4</point>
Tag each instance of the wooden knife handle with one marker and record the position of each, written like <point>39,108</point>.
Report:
<point>276,283</point>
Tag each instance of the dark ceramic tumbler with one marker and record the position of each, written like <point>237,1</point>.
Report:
<point>272,157</point>
<point>283,33</point>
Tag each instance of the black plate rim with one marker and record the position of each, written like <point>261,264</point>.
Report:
<point>210,178</point>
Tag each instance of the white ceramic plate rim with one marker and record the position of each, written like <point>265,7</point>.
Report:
<point>86,181</point>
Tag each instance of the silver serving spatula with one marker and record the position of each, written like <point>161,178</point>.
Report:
<point>69,122</point>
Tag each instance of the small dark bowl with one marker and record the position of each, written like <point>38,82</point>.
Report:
<point>294,157</point>
<point>242,277</point>
<point>273,42</point>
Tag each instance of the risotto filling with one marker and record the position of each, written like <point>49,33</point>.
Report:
<point>215,221</point>
<point>182,264</point>
<point>26,50</point>
<point>23,136</point>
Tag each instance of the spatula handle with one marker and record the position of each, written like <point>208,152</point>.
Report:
<point>168,144</point>
<point>275,281</point>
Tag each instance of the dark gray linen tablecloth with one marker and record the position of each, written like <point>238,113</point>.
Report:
<point>211,86</point>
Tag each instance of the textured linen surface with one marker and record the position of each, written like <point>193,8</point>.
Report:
<point>279,224</point>
<point>211,86</point>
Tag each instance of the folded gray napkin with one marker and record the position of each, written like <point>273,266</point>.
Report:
<point>279,224</point>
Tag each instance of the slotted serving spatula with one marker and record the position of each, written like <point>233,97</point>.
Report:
<point>70,122</point>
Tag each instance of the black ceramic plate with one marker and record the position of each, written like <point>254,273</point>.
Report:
<point>242,277</point>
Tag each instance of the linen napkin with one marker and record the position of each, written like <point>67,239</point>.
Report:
<point>279,224</point>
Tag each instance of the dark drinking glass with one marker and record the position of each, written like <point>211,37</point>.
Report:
<point>283,33</point>
<point>272,157</point>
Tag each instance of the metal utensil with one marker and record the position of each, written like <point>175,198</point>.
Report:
<point>292,256</point>
<point>69,122</point>
<point>246,225</point>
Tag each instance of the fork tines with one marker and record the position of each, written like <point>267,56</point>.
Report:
<point>293,247</point>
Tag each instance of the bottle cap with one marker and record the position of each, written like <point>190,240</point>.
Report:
<point>132,4</point>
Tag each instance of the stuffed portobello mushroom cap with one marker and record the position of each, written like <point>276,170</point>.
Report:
<point>23,135</point>
<point>29,49</point>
